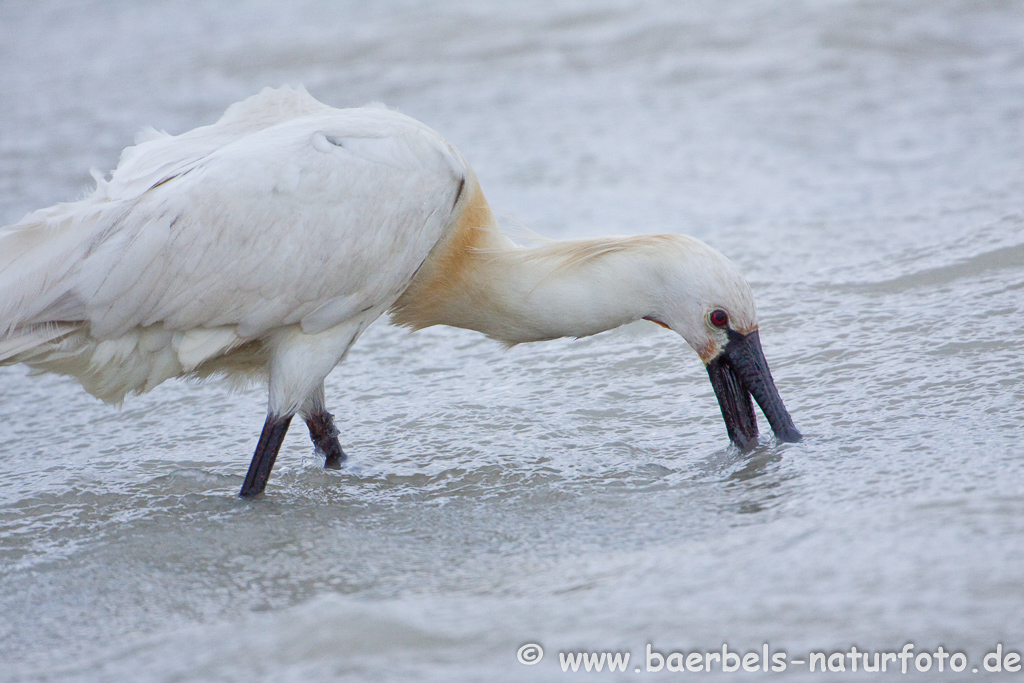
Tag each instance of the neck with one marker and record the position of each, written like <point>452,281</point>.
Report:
<point>574,288</point>
<point>480,280</point>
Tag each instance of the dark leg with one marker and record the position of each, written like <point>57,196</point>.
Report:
<point>325,437</point>
<point>263,459</point>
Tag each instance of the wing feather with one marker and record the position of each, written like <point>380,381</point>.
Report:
<point>289,212</point>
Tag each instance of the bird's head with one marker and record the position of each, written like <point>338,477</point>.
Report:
<point>708,302</point>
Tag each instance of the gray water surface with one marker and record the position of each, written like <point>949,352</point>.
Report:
<point>863,163</point>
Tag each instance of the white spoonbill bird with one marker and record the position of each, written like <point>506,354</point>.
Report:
<point>263,245</point>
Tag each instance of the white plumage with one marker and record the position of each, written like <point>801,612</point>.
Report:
<point>263,245</point>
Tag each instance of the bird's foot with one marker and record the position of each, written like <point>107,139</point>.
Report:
<point>324,435</point>
<point>334,459</point>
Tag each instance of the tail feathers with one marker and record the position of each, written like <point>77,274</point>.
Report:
<point>136,361</point>
<point>25,344</point>
<point>39,258</point>
<point>109,370</point>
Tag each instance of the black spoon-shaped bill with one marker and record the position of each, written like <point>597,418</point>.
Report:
<point>738,373</point>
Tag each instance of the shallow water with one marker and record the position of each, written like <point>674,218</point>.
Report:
<point>862,162</point>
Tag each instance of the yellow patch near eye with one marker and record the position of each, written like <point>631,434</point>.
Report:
<point>656,321</point>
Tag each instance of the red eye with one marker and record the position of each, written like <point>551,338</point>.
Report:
<point>719,318</point>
